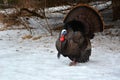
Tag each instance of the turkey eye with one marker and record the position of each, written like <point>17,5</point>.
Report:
<point>64,32</point>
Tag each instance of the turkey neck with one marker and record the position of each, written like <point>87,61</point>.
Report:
<point>63,45</point>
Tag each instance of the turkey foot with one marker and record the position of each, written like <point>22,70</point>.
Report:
<point>73,63</point>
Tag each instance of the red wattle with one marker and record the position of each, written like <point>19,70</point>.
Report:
<point>62,39</point>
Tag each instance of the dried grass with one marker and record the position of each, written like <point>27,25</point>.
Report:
<point>36,38</point>
<point>27,37</point>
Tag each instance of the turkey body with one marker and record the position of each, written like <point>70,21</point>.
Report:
<point>76,46</point>
<point>80,24</point>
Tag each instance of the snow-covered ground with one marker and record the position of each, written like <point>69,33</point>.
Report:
<point>28,59</point>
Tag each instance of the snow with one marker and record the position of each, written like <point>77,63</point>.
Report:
<point>59,8</point>
<point>27,59</point>
<point>101,6</point>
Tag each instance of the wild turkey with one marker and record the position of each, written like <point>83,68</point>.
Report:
<point>80,24</point>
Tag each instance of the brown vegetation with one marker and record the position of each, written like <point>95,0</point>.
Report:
<point>37,8</point>
<point>116,9</point>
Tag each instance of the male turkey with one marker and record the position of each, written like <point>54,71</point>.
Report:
<point>80,24</point>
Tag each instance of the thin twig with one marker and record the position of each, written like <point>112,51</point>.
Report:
<point>48,26</point>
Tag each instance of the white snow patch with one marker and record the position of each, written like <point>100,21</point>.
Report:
<point>101,6</point>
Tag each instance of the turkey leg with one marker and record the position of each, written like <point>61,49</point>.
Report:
<point>73,63</point>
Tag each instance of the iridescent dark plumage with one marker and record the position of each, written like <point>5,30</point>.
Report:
<point>80,23</point>
<point>76,45</point>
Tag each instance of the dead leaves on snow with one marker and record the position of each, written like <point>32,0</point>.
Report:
<point>31,37</point>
